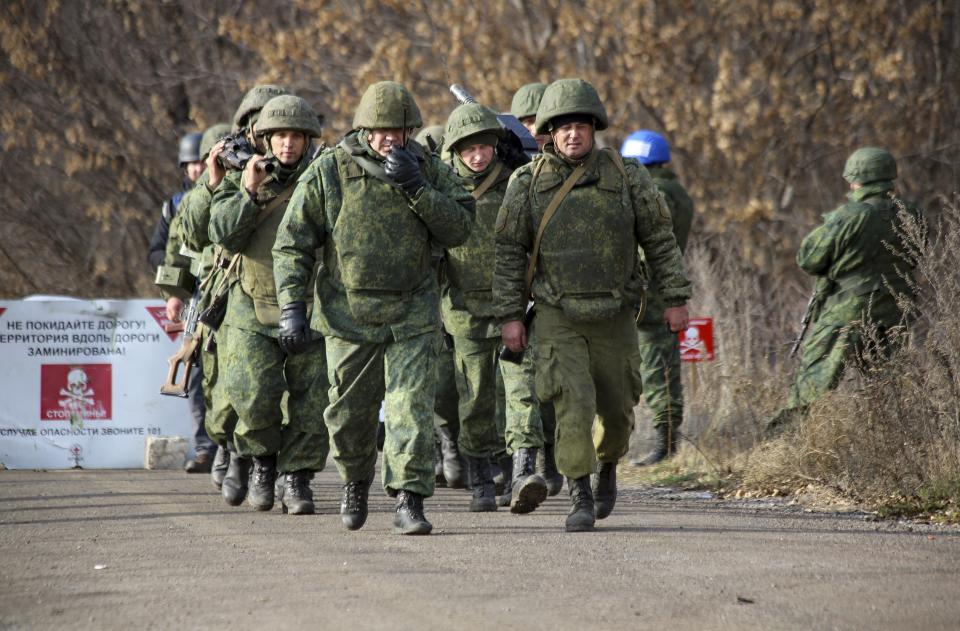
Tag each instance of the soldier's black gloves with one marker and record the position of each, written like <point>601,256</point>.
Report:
<point>294,331</point>
<point>402,167</point>
<point>511,153</point>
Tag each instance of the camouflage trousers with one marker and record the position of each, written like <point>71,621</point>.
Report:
<point>256,376</point>
<point>221,418</point>
<point>660,371</point>
<point>401,373</point>
<point>494,394</point>
<point>446,408</point>
<point>589,370</point>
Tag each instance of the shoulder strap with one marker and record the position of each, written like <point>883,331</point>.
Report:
<point>617,159</point>
<point>274,204</point>
<point>487,181</point>
<point>371,167</point>
<point>548,214</point>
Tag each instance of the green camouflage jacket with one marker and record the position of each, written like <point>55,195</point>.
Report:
<point>681,211</point>
<point>588,263</point>
<point>376,282</point>
<point>467,291</point>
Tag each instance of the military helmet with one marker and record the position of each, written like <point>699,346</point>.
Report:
<point>526,100</point>
<point>647,146</point>
<point>870,164</point>
<point>435,132</point>
<point>387,105</point>
<point>211,136</point>
<point>189,148</point>
<point>570,96</point>
<point>288,112</point>
<point>470,119</point>
<point>253,101</point>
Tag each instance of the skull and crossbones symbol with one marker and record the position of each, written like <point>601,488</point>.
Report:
<point>78,392</point>
<point>691,343</point>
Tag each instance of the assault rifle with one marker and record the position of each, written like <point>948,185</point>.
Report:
<point>507,355</point>
<point>237,151</point>
<point>182,362</point>
<point>518,146</point>
<point>819,294</point>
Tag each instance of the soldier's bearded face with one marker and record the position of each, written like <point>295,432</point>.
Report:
<point>573,140</point>
<point>477,157</point>
<point>195,170</point>
<point>288,146</point>
<point>383,140</point>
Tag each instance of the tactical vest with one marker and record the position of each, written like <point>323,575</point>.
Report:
<point>381,250</point>
<point>588,255</point>
<point>469,267</point>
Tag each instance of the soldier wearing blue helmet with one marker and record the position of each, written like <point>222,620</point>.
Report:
<point>659,347</point>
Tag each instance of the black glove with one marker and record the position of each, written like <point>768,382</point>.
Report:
<point>511,152</point>
<point>402,167</point>
<point>294,332</point>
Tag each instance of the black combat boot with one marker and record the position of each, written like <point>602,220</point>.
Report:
<point>605,488</point>
<point>409,519</point>
<point>484,496</point>
<point>201,463</point>
<point>503,479</point>
<point>664,446</point>
<point>221,462</point>
<point>234,488</point>
<point>547,469</point>
<point>581,517</point>
<point>438,478</point>
<point>454,471</point>
<point>296,497</point>
<point>353,505</point>
<point>262,476</point>
<point>528,489</point>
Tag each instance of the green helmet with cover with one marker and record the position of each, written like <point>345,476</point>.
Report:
<point>387,105</point>
<point>253,101</point>
<point>870,164</point>
<point>288,112</point>
<point>526,100</point>
<point>211,136</point>
<point>471,119</point>
<point>570,96</point>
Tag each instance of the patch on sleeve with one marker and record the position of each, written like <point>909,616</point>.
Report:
<point>501,224</point>
<point>664,208</point>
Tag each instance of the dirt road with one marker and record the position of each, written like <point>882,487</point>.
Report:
<point>122,549</point>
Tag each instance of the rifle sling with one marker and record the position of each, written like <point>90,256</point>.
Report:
<point>370,166</point>
<point>548,214</point>
<point>488,181</point>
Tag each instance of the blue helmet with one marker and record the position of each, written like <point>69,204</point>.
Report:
<point>647,146</point>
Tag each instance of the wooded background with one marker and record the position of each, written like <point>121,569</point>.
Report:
<point>761,99</point>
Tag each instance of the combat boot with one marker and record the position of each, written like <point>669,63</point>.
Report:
<point>665,445</point>
<point>353,505</point>
<point>503,479</point>
<point>484,496</point>
<point>262,476</point>
<point>605,488</point>
<point>547,469</point>
<point>528,489</point>
<point>581,517</point>
<point>454,471</point>
<point>235,483</point>
<point>218,470</point>
<point>409,519</point>
<point>438,478</point>
<point>296,497</point>
<point>201,463</point>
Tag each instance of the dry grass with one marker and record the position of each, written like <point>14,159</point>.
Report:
<point>888,438</point>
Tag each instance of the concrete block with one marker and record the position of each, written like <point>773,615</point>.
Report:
<point>165,452</point>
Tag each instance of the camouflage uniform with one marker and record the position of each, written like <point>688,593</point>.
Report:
<point>587,286</point>
<point>850,256</point>
<point>377,301</point>
<point>258,372</point>
<point>659,347</point>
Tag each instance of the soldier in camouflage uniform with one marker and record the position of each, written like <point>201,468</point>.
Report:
<point>659,347</point>
<point>853,257</point>
<point>587,284</point>
<point>450,466</point>
<point>471,138</point>
<point>194,219</point>
<point>375,204</point>
<point>246,211</point>
<point>165,249</point>
<point>524,106</point>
